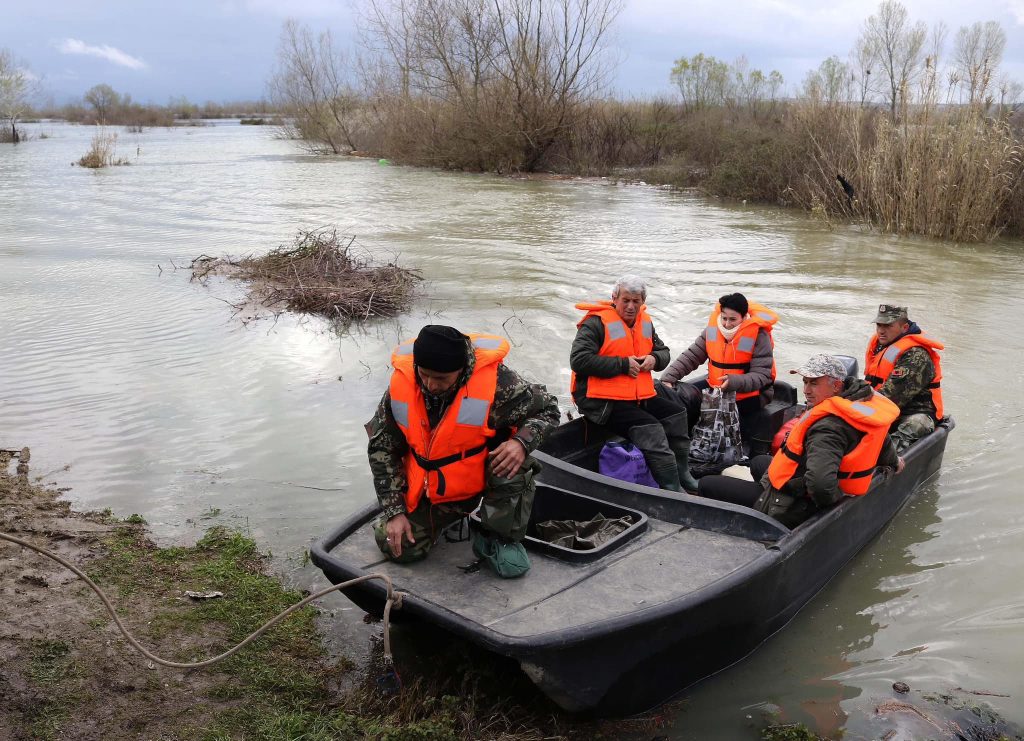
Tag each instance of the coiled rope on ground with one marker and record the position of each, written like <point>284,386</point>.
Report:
<point>394,600</point>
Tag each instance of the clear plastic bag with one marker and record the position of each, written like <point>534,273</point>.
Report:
<point>715,443</point>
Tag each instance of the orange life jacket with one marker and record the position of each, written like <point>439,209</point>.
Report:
<point>732,357</point>
<point>620,341</point>
<point>448,463</point>
<point>878,366</point>
<point>856,469</point>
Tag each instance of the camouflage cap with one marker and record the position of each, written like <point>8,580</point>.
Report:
<point>820,365</point>
<point>887,314</point>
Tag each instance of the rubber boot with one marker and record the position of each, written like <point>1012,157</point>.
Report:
<point>687,480</point>
<point>667,478</point>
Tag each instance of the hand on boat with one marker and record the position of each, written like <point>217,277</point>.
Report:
<point>397,528</point>
<point>507,458</point>
<point>900,464</point>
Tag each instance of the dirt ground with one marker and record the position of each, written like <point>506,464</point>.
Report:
<point>65,671</point>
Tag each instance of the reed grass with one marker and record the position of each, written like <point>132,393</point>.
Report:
<point>102,152</point>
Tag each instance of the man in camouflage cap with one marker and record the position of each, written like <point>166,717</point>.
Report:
<point>830,453</point>
<point>903,364</point>
<point>457,426</point>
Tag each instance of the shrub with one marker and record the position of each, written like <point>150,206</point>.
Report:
<point>101,153</point>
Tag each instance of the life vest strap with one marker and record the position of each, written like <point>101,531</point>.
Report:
<point>874,380</point>
<point>935,385</point>
<point>856,474</point>
<point>790,454</point>
<point>436,464</point>
<point>730,366</point>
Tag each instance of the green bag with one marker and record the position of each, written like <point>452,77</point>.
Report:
<point>509,560</point>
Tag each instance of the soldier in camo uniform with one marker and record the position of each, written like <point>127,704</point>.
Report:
<point>903,364</point>
<point>442,380</point>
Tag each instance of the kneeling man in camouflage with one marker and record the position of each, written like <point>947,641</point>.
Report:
<point>455,429</point>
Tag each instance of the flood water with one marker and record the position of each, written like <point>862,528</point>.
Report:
<point>148,393</point>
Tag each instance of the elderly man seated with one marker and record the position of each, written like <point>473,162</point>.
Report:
<point>902,364</point>
<point>831,452</point>
<point>612,357</point>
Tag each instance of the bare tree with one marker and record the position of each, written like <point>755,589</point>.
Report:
<point>496,74</point>
<point>104,99</point>
<point>862,62</point>
<point>896,45</point>
<point>1010,93</point>
<point>312,82</point>
<point>976,57</point>
<point>16,86</point>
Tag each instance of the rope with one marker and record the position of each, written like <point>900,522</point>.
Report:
<point>394,600</point>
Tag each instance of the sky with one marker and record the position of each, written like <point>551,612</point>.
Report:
<point>224,50</point>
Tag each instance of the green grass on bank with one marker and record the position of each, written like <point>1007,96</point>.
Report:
<point>283,686</point>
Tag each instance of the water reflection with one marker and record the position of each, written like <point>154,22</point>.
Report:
<point>808,672</point>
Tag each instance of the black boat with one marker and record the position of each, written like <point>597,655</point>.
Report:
<point>692,586</point>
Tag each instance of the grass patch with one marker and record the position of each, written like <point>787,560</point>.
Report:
<point>282,686</point>
<point>320,273</point>
<point>50,661</point>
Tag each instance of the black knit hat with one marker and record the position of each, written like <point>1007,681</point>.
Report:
<point>440,348</point>
<point>735,301</point>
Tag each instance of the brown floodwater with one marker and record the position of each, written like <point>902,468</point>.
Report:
<point>148,393</point>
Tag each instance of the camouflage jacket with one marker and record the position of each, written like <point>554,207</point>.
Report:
<point>907,385</point>
<point>585,360</point>
<point>517,403</point>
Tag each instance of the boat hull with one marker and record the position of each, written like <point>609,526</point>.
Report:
<point>630,663</point>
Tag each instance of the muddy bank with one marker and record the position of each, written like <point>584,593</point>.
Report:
<point>67,673</point>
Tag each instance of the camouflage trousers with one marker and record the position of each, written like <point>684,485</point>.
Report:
<point>505,506</point>
<point>910,429</point>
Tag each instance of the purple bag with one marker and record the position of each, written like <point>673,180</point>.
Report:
<point>625,462</point>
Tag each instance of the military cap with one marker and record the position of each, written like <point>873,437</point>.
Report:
<point>820,365</point>
<point>887,314</point>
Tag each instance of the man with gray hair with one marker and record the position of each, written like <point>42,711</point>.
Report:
<point>830,453</point>
<point>612,357</point>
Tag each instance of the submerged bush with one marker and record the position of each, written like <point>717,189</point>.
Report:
<point>102,152</point>
<point>320,273</point>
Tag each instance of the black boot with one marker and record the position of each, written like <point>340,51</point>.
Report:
<point>667,478</point>
<point>687,480</point>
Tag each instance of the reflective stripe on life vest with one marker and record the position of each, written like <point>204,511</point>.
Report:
<point>732,357</point>
<point>448,463</point>
<point>878,366</point>
<point>620,341</point>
